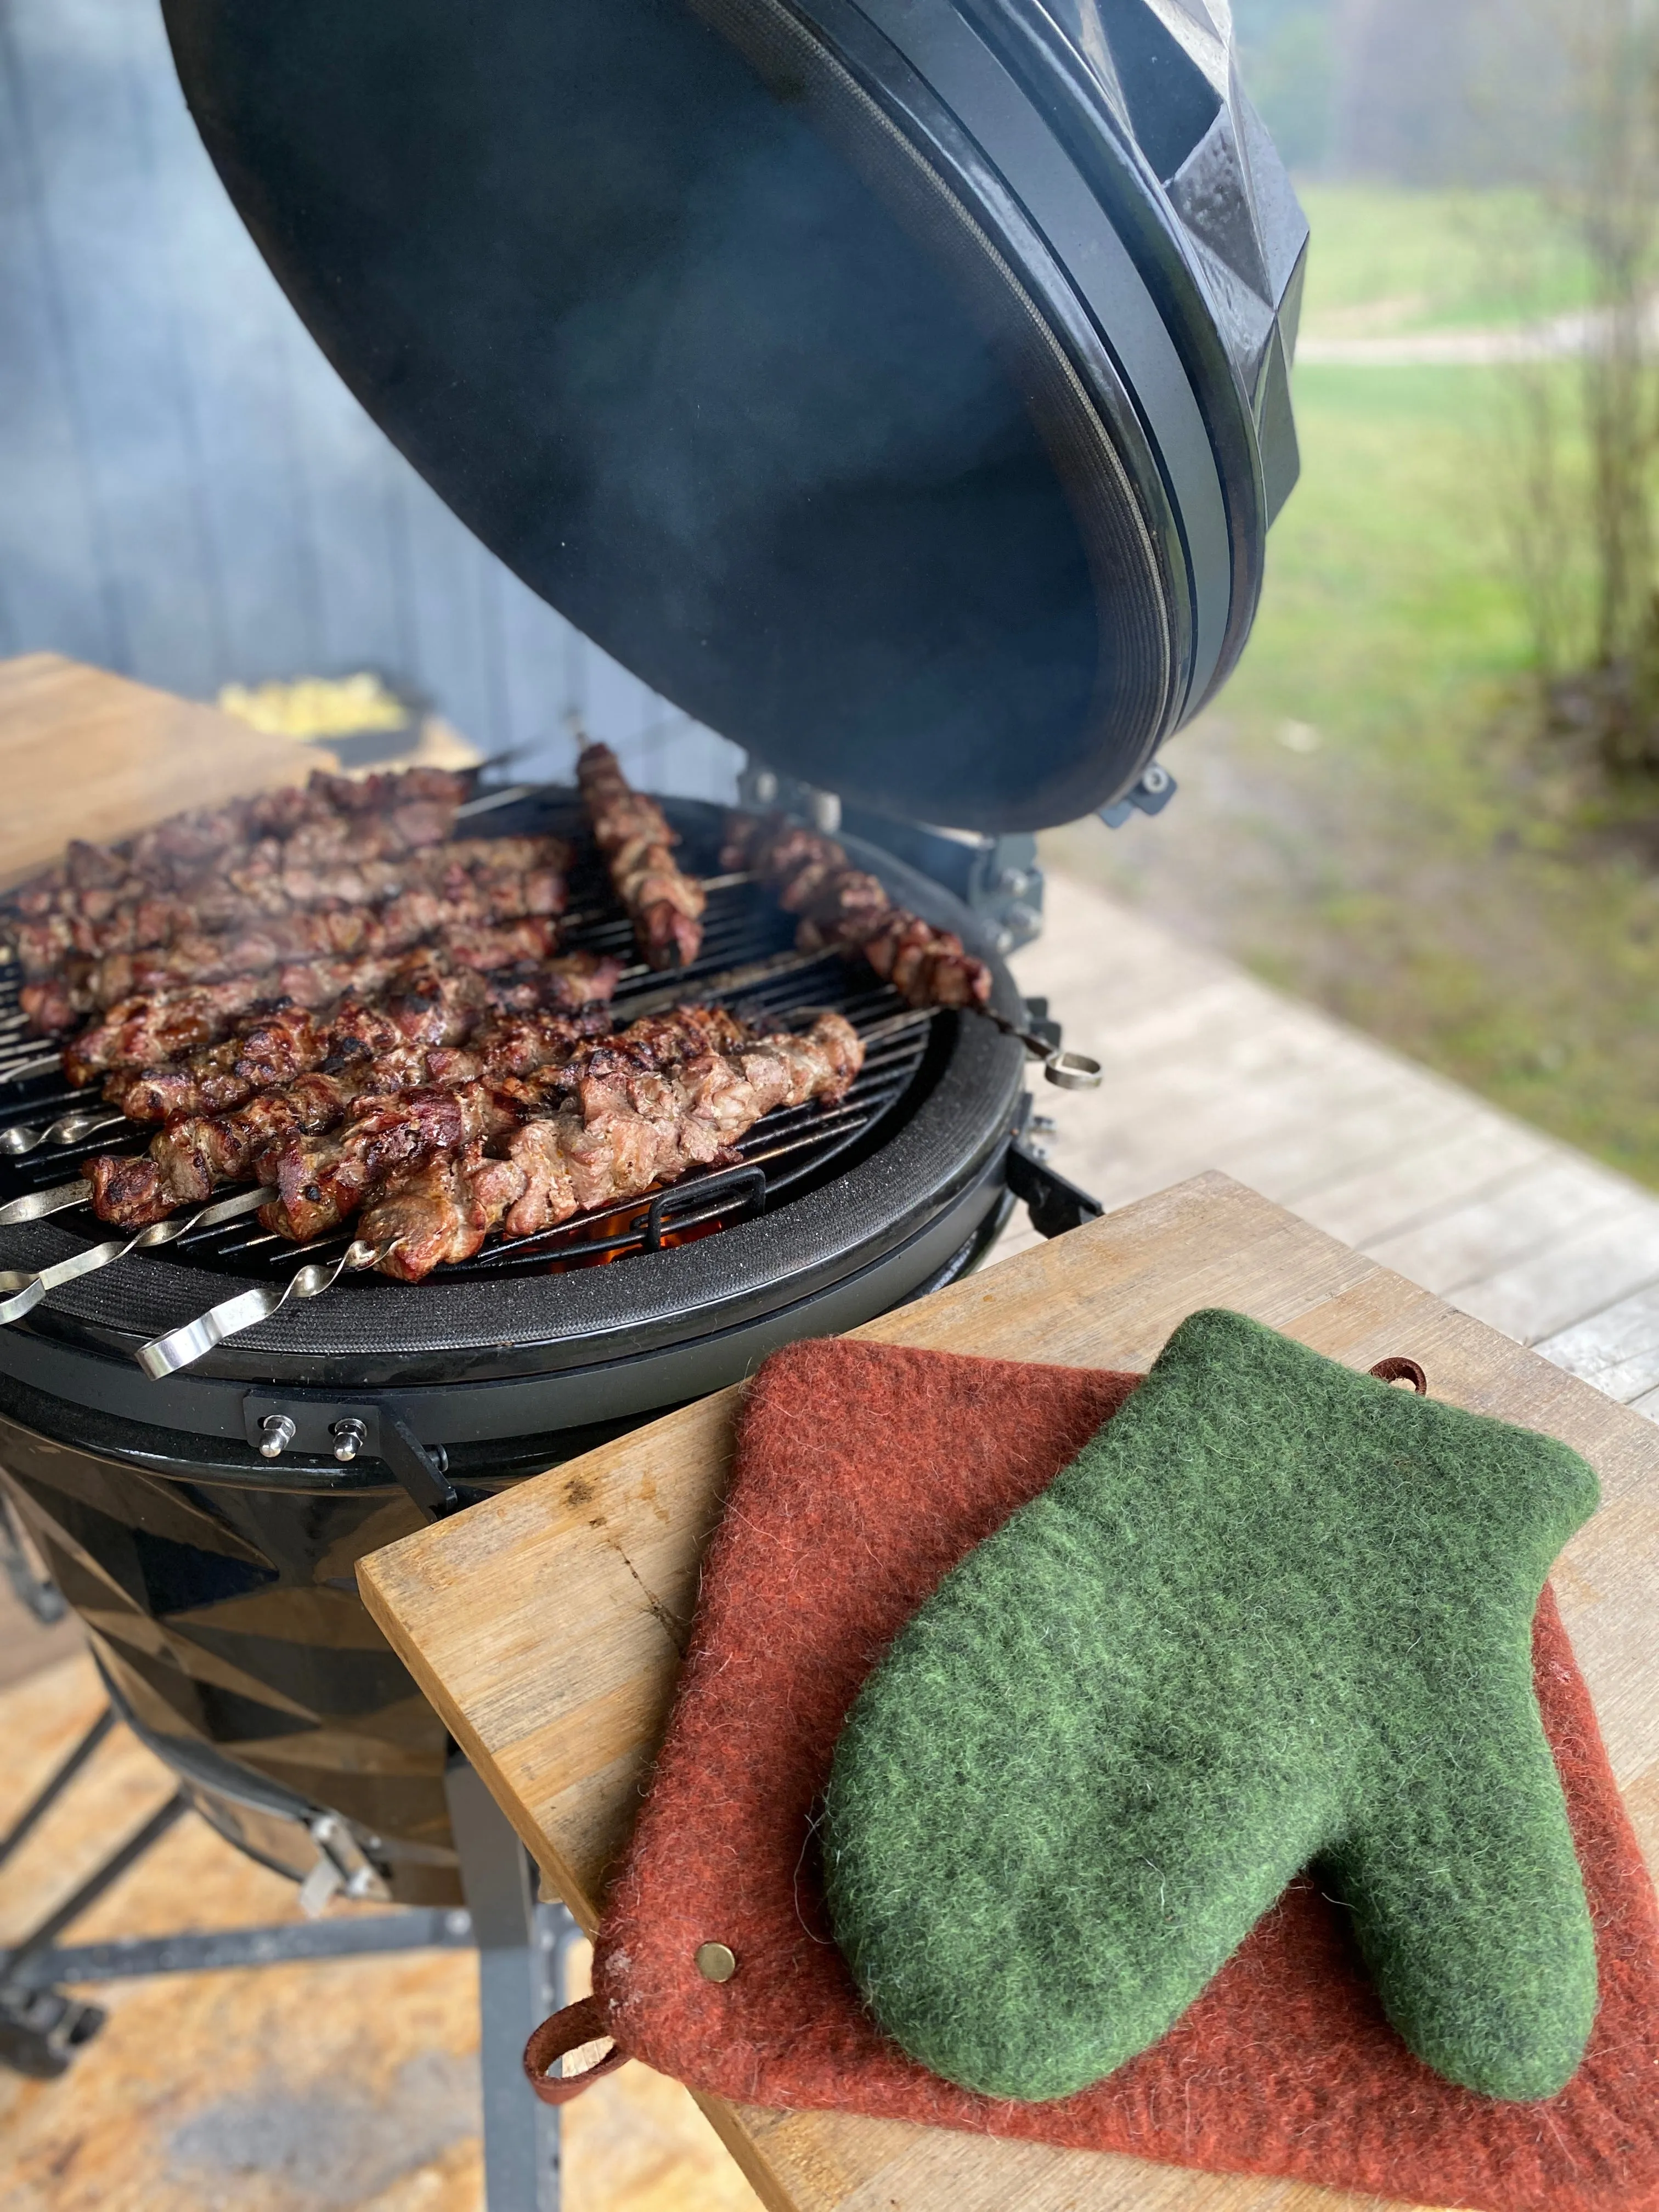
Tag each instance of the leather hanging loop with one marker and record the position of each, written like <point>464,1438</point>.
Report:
<point>1399,1369</point>
<point>563,2033</point>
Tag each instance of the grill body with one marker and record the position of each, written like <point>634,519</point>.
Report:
<point>218,1587</point>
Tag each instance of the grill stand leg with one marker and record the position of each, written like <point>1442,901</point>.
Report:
<point>518,1958</point>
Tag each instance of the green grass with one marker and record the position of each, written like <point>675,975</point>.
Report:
<point>1370,817</point>
<point>1435,260</point>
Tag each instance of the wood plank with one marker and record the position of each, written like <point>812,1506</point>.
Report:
<point>50,584</point>
<point>1577,1279</point>
<point>1616,1350</point>
<point>1474,1156</point>
<point>237,343</point>
<point>545,1624</point>
<point>1206,1068</point>
<point>83,754</point>
<point>1533,1212</point>
<point>1374,1117</point>
<point>1098,958</point>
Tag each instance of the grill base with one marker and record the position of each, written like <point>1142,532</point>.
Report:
<point>219,1592</point>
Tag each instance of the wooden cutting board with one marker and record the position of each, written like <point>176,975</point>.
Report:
<point>84,754</point>
<point>546,1625</point>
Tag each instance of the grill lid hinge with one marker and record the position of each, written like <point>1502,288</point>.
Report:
<point>1055,1206</point>
<point>424,1471</point>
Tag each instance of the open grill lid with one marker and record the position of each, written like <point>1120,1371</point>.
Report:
<point>901,388</point>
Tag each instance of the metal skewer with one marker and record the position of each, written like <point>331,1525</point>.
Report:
<point>182,1347</point>
<point>14,1071</point>
<point>506,796</point>
<point>38,1204</point>
<point>20,1292</point>
<point>67,1129</point>
<point>1072,1071</point>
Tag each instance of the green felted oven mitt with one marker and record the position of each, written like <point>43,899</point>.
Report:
<point>1276,1612</point>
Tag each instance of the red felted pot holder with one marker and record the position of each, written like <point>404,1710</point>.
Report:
<point>863,1473</point>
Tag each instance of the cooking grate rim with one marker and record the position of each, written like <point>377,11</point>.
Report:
<point>797,1149</point>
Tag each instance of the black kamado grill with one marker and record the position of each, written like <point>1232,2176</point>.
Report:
<point>902,389</point>
<point>205,1523</point>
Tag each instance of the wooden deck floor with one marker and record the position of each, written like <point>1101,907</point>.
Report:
<point>352,2086</point>
<point>1208,1068</point>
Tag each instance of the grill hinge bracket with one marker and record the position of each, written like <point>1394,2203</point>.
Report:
<point>350,1430</point>
<point>424,1473</point>
<point>1054,1205</point>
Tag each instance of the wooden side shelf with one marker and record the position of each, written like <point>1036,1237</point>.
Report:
<point>546,1625</point>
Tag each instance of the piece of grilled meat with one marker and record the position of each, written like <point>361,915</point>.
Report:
<point>195,1153</point>
<point>845,910</point>
<point>154,1031</point>
<point>665,904</point>
<point>623,1133</point>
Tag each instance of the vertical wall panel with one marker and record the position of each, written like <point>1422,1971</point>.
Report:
<point>50,582</point>
<point>123,360</point>
<point>187,492</point>
<point>235,343</point>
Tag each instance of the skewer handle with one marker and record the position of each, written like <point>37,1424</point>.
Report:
<point>1070,1071</point>
<point>24,1291</point>
<point>17,1142</point>
<point>182,1347</point>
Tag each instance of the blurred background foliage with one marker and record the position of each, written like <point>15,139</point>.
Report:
<point>1430,798</point>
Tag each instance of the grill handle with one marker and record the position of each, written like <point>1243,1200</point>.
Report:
<point>751,1181</point>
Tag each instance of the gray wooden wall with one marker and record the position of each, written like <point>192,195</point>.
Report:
<point>188,495</point>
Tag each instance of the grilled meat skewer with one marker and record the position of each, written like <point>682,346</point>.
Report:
<point>270,1049</point>
<point>845,910</point>
<point>320,1184</point>
<point>429,1007</point>
<point>151,1028</point>
<point>195,1153</point>
<point>627,1132</point>
<point>152,1035</point>
<point>396,928</point>
<point>510,877</point>
<point>374,818</point>
<point>665,904</point>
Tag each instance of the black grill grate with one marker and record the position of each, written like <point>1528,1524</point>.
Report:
<point>795,1149</point>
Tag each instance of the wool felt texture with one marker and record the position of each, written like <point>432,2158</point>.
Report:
<point>862,1474</point>
<point>1276,1612</point>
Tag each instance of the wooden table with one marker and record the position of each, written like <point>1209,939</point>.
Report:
<point>546,1625</point>
<point>84,754</point>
